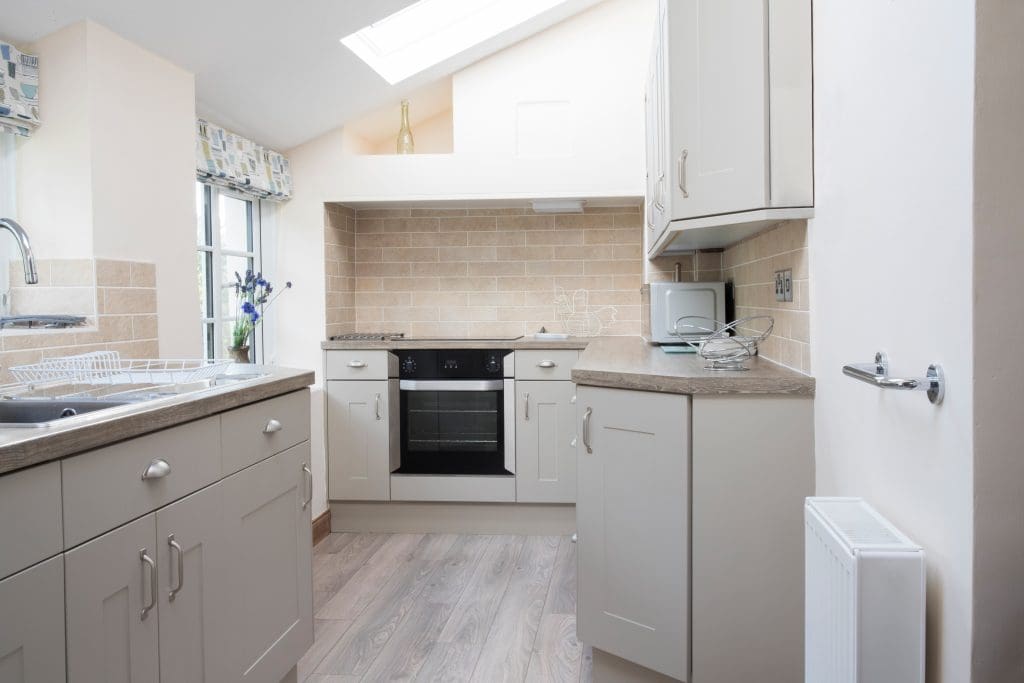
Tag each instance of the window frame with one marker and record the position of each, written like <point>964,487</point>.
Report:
<point>215,321</point>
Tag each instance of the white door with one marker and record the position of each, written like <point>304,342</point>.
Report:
<point>268,561</point>
<point>358,429</point>
<point>717,74</point>
<point>32,627</point>
<point>192,557</point>
<point>632,524</point>
<point>545,442</point>
<point>111,586</point>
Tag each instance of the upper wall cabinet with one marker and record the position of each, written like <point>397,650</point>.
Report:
<point>729,121</point>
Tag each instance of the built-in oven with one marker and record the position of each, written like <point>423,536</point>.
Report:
<point>457,413</point>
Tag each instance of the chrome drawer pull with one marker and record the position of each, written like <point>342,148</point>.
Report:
<point>176,549</point>
<point>546,364</point>
<point>356,364</point>
<point>526,407</point>
<point>147,560</point>
<point>376,406</point>
<point>586,429</point>
<point>272,426</point>
<point>158,468</point>
<point>309,485</point>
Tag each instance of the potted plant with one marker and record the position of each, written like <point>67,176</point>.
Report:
<point>253,296</point>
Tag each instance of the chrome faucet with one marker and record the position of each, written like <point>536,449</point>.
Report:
<point>27,259</point>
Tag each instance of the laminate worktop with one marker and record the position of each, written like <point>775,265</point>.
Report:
<point>26,446</point>
<point>413,343</point>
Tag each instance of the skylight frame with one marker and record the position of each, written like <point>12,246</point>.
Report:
<point>430,32</point>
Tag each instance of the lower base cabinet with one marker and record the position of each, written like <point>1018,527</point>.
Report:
<point>30,645</point>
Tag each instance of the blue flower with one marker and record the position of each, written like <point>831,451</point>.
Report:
<point>254,316</point>
<point>248,307</point>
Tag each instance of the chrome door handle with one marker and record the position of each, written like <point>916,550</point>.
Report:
<point>356,364</point>
<point>158,468</point>
<point>176,548</point>
<point>681,167</point>
<point>546,364</point>
<point>147,560</point>
<point>376,405</point>
<point>272,426</point>
<point>526,407</point>
<point>586,429</point>
<point>309,485</point>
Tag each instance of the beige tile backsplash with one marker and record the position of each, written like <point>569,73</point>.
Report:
<point>751,265</point>
<point>118,299</point>
<point>477,271</point>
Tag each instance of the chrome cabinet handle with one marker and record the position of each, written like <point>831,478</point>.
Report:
<point>309,485</point>
<point>526,407</point>
<point>176,549</point>
<point>356,364</point>
<point>659,193</point>
<point>272,426</point>
<point>574,538</point>
<point>546,364</point>
<point>158,468</point>
<point>376,406</point>
<point>586,429</point>
<point>147,560</point>
<point>682,172</point>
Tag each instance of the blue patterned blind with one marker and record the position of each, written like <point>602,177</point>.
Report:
<point>19,91</point>
<point>224,158</point>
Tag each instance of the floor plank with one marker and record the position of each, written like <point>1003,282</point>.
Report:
<point>353,597</point>
<point>326,633</point>
<point>562,592</point>
<point>508,649</point>
<point>557,653</point>
<point>587,665</point>
<point>332,570</point>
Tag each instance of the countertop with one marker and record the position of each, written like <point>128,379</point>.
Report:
<point>26,446</point>
<point>412,343</point>
<point>632,363</point>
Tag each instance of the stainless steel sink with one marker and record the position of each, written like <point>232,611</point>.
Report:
<point>33,412</point>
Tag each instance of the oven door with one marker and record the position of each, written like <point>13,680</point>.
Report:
<point>456,427</point>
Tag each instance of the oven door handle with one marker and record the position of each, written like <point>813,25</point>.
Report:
<point>451,385</point>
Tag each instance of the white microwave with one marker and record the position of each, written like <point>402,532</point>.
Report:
<point>670,301</point>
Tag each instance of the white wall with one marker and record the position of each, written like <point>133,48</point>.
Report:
<point>891,270</point>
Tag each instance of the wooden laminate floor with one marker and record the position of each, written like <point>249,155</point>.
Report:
<point>444,607</point>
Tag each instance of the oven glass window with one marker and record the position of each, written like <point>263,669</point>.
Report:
<point>452,432</point>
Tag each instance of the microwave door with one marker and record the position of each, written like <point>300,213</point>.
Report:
<point>701,302</point>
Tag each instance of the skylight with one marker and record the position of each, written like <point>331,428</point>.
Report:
<point>430,31</point>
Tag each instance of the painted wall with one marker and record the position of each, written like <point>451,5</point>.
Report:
<point>894,86</point>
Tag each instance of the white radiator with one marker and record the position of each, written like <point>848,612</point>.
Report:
<point>864,602</point>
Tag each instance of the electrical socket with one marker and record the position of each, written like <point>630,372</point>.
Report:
<point>784,285</point>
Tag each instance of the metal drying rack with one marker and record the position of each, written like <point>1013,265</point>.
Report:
<point>726,346</point>
<point>107,367</point>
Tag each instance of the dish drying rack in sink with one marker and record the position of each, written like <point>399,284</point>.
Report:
<point>107,367</point>
<point>726,346</point>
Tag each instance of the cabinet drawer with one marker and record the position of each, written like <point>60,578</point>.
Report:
<point>30,522</point>
<point>260,430</point>
<point>546,364</point>
<point>105,488</point>
<point>360,365</point>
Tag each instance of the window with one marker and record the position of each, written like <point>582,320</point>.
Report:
<point>228,231</point>
<point>430,31</point>
<point>8,209</point>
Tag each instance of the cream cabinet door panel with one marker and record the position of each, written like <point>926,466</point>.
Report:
<point>545,435</point>
<point>268,560</point>
<point>109,583</point>
<point>32,627</point>
<point>632,525</point>
<point>359,425</point>
<point>192,559</point>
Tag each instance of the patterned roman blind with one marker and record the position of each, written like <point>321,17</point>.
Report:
<point>227,159</point>
<point>19,91</point>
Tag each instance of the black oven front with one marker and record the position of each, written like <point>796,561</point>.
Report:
<point>455,415</point>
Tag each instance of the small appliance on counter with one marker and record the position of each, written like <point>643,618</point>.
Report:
<point>670,301</point>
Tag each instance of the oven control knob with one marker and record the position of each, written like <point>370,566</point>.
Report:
<point>492,364</point>
<point>408,364</point>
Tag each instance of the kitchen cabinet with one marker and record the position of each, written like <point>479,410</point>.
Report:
<point>362,438</point>
<point>729,103</point>
<point>545,442</point>
<point>632,513</point>
<point>31,645</point>
<point>111,587</point>
<point>268,565</point>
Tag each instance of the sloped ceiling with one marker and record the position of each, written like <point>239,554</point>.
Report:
<point>271,70</point>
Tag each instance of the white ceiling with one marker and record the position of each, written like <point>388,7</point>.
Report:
<point>270,70</point>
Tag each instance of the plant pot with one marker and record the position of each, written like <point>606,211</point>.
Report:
<point>239,354</point>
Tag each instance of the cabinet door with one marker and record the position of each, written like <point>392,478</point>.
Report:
<point>545,442</point>
<point>269,566</point>
<point>632,525</point>
<point>717,75</point>
<point>191,558</point>
<point>111,594</point>
<point>359,421</point>
<point>32,630</point>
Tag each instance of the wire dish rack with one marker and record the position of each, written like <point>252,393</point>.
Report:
<point>726,346</point>
<point>107,367</point>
